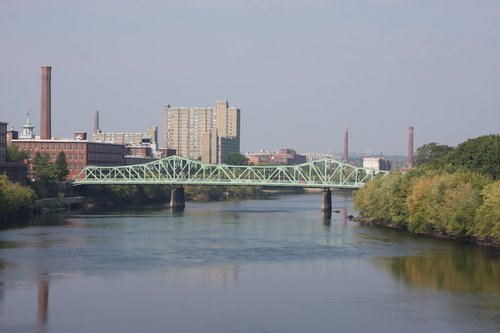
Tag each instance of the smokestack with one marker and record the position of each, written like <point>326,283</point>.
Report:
<point>410,147</point>
<point>346,145</point>
<point>45,116</point>
<point>96,122</point>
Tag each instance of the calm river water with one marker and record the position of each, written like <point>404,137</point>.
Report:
<point>246,266</point>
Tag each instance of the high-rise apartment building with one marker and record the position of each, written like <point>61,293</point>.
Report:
<point>207,133</point>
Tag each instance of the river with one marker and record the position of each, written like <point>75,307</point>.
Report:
<point>241,266</point>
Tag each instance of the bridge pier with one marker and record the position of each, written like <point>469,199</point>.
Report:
<point>177,199</point>
<point>326,204</point>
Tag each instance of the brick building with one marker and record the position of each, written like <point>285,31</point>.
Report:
<point>79,153</point>
<point>281,157</point>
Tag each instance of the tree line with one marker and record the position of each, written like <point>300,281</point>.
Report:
<point>452,192</point>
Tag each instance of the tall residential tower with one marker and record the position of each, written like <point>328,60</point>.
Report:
<point>207,133</point>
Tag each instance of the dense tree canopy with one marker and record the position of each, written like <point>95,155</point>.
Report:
<point>236,159</point>
<point>480,154</point>
<point>16,154</point>
<point>452,192</point>
<point>431,153</point>
<point>44,169</point>
<point>15,200</point>
<point>61,167</point>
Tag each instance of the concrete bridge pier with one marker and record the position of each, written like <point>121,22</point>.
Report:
<point>177,199</point>
<point>326,204</point>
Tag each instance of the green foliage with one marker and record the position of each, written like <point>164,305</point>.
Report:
<point>127,194</point>
<point>61,167</point>
<point>449,192</point>
<point>487,222</point>
<point>236,159</point>
<point>243,191</point>
<point>16,154</point>
<point>44,170</point>
<point>431,153</point>
<point>384,199</point>
<point>459,205</point>
<point>446,203</point>
<point>204,193</point>
<point>15,200</point>
<point>480,154</point>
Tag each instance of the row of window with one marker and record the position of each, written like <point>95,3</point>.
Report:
<point>59,146</point>
<point>76,166</point>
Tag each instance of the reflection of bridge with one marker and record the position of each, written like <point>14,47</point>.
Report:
<point>175,170</point>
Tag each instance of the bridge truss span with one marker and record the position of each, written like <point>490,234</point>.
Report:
<point>176,170</point>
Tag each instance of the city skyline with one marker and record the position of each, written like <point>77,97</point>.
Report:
<point>300,72</point>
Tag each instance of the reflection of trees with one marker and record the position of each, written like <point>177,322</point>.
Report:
<point>462,270</point>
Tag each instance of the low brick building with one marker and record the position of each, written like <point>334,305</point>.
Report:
<point>79,153</point>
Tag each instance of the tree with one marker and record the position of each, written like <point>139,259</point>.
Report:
<point>15,200</point>
<point>431,153</point>
<point>236,159</point>
<point>44,170</point>
<point>16,154</point>
<point>61,167</point>
<point>481,154</point>
<point>487,224</point>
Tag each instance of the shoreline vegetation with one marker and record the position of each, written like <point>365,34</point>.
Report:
<point>452,193</point>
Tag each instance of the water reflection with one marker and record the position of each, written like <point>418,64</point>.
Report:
<point>218,277</point>
<point>463,269</point>
<point>221,262</point>
<point>43,299</point>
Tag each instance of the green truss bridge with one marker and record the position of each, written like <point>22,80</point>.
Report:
<point>175,170</point>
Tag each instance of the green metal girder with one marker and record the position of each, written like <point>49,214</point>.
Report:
<point>176,170</point>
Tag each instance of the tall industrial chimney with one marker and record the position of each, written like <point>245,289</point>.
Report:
<point>410,147</point>
<point>45,116</point>
<point>96,122</point>
<point>346,145</point>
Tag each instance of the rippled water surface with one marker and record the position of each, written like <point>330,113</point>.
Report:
<point>246,266</point>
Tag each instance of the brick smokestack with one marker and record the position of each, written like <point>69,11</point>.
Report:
<point>410,147</point>
<point>45,116</point>
<point>346,145</point>
<point>96,122</point>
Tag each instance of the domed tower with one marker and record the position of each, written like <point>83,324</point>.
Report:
<point>27,131</point>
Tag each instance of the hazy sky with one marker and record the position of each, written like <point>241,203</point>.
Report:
<point>299,70</point>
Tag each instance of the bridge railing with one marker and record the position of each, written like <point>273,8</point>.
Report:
<point>177,170</point>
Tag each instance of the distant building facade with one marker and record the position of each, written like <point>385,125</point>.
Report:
<point>376,163</point>
<point>16,171</point>
<point>209,134</point>
<point>281,157</point>
<point>79,153</point>
<point>127,138</point>
<point>317,156</point>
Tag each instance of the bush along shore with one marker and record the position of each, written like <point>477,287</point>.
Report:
<point>440,198</point>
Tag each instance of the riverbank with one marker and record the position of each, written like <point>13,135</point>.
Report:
<point>438,235</point>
